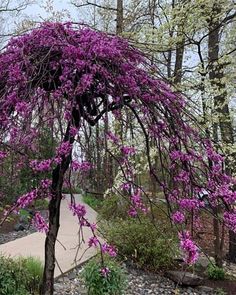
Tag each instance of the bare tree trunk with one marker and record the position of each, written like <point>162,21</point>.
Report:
<point>120,17</point>
<point>47,287</point>
<point>221,112</point>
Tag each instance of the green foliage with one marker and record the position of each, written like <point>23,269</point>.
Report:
<point>141,242</point>
<point>21,276</point>
<point>115,282</point>
<point>41,204</point>
<point>34,273</point>
<point>93,201</point>
<point>113,207</point>
<point>215,273</point>
<point>12,277</point>
<point>220,291</point>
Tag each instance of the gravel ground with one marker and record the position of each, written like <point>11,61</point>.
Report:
<point>139,283</point>
<point>13,235</point>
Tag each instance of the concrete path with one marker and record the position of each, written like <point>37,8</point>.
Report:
<point>33,245</point>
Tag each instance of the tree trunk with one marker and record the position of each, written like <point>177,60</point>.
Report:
<point>119,17</point>
<point>47,287</point>
<point>221,108</point>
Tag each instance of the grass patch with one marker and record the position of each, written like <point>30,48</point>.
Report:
<point>93,201</point>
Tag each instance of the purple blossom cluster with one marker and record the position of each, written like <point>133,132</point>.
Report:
<point>80,166</point>
<point>109,249</point>
<point>105,271</point>
<point>64,149</point>
<point>189,248</point>
<point>78,210</point>
<point>178,217</point>
<point>27,199</point>
<point>191,204</point>
<point>41,166</point>
<point>136,204</point>
<point>230,220</point>
<point>39,223</point>
<point>3,155</point>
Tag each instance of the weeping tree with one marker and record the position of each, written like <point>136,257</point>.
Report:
<point>65,78</point>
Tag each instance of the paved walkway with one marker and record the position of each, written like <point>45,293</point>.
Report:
<point>33,245</point>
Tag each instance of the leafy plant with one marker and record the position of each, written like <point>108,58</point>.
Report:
<point>34,273</point>
<point>215,273</point>
<point>107,279</point>
<point>141,242</point>
<point>20,276</point>
<point>12,277</point>
<point>92,201</point>
<point>41,204</point>
<point>113,207</point>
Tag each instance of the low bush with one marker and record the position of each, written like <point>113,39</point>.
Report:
<point>114,207</point>
<point>109,279</point>
<point>93,201</point>
<point>140,241</point>
<point>20,276</point>
<point>12,277</point>
<point>215,273</point>
<point>34,273</point>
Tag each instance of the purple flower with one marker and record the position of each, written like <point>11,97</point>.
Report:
<point>106,248</point>
<point>178,217</point>
<point>105,272</point>
<point>39,223</point>
<point>93,242</point>
<point>189,248</point>
<point>78,210</point>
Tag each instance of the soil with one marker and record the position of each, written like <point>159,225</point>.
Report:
<point>228,286</point>
<point>8,225</point>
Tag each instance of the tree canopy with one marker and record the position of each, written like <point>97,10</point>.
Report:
<point>64,77</point>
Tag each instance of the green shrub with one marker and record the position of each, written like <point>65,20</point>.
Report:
<point>215,273</point>
<point>114,207</point>
<point>92,201</point>
<point>34,273</point>
<point>12,277</point>
<point>140,241</point>
<point>20,276</point>
<point>97,284</point>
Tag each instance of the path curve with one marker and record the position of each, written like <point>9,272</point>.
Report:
<point>33,244</point>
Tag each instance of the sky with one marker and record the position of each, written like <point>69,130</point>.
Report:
<point>36,11</point>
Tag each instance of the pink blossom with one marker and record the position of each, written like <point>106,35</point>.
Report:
<point>178,217</point>
<point>64,149</point>
<point>105,272</point>
<point>106,248</point>
<point>39,223</point>
<point>93,242</point>
<point>73,131</point>
<point>189,248</point>
<point>128,150</point>
<point>41,166</point>
<point>80,166</point>
<point>230,220</point>
<point>78,210</point>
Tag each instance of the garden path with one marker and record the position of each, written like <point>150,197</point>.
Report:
<point>33,244</point>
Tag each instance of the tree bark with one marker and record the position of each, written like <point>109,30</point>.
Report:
<point>120,17</point>
<point>47,287</point>
<point>221,111</point>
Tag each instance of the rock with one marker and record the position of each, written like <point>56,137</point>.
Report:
<point>72,275</point>
<point>184,278</point>
<point>20,227</point>
<point>203,261</point>
<point>205,289</point>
